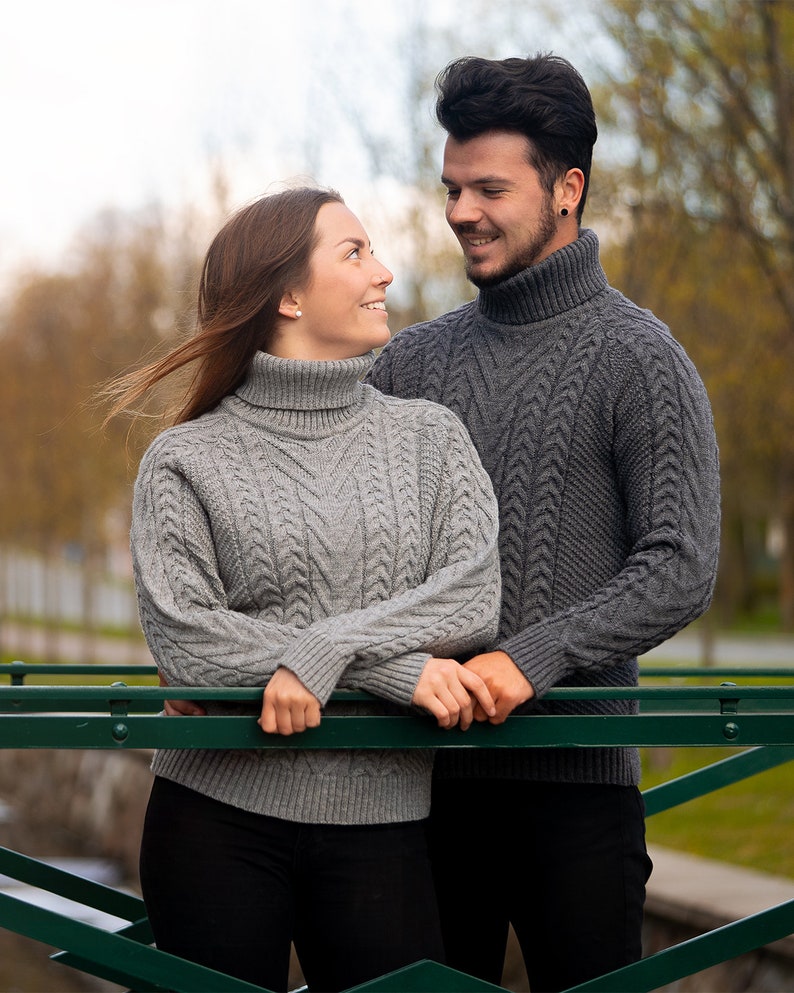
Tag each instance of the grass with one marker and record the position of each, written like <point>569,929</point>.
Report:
<point>748,823</point>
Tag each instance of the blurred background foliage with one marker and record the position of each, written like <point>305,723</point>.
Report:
<point>692,197</point>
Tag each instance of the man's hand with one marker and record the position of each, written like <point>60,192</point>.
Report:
<point>508,685</point>
<point>450,692</point>
<point>287,706</point>
<point>181,708</point>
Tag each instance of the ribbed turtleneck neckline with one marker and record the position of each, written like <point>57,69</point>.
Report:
<point>297,384</point>
<point>568,278</point>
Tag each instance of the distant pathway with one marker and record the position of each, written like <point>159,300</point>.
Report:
<point>727,649</point>
<point>27,642</point>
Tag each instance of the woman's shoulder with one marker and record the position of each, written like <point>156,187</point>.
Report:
<point>432,423</point>
<point>414,409</point>
<point>185,441</point>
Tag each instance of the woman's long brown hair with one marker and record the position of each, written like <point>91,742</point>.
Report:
<point>261,252</point>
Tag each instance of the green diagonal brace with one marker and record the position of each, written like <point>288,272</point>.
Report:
<point>73,887</point>
<point>426,976</point>
<point>696,954</point>
<point>113,953</point>
<point>714,777</point>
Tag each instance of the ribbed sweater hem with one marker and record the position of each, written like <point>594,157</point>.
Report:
<point>608,766</point>
<point>312,798</point>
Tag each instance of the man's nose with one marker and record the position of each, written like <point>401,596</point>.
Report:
<point>463,209</point>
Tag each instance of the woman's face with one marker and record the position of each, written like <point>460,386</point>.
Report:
<point>343,310</point>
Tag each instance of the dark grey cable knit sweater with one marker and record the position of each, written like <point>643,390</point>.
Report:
<point>311,522</point>
<point>597,433</point>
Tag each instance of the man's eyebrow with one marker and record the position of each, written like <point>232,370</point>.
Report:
<point>482,181</point>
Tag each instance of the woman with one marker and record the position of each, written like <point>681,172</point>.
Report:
<point>298,530</point>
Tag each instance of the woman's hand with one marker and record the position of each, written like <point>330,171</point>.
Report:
<point>181,708</point>
<point>450,692</point>
<point>287,706</point>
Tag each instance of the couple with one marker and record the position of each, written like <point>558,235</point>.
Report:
<point>303,529</point>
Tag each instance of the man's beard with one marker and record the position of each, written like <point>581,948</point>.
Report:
<point>529,254</point>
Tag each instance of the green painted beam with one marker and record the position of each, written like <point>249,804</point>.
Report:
<point>424,977</point>
<point>714,777</point>
<point>696,954</point>
<point>68,884</point>
<point>116,955</point>
<point>640,730</point>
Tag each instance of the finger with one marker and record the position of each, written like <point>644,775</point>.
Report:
<point>479,714</point>
<point>284,720</point>
<point>428,700</point>
<point>297,712</point>
<point>466,717</point>
<point>503,710</point>
<point>267,719</point>
<point>477,686</point>
<point>465,706</point>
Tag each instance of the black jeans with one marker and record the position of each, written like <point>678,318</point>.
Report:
<point>230,890</point>
<point>566,864</point>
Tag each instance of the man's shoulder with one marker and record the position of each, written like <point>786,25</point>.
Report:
<point>635,328</point>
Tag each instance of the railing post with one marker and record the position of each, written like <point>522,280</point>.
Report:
<point>119,708</point>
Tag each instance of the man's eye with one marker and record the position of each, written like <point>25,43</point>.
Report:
<point>492,193</point>
<point>451,194</point>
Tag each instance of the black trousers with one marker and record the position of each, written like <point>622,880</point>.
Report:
<point>230,890</point>
<point>566,864</point>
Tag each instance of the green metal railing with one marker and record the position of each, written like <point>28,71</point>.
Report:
<point>756,722</point>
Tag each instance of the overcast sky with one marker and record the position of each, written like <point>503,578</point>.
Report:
<point>118,103</point>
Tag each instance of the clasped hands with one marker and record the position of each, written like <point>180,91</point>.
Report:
<point>486,688</point>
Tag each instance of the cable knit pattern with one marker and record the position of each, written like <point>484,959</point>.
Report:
<point>597,434</point>
<point>311,522</point>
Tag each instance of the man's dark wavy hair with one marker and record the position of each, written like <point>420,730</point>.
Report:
<point>542,97</point>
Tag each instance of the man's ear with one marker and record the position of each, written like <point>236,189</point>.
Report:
<point>569,190</point>
<point>289,306</point>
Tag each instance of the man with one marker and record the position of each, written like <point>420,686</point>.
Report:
<point>597,434</point>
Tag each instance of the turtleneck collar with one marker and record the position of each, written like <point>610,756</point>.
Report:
<point>567,278</point>
<point>298,384</point>
<point>300,398</point>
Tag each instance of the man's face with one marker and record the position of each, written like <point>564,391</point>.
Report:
<point>502,216</point>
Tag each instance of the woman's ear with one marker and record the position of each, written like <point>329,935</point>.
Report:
<point>289,306</point>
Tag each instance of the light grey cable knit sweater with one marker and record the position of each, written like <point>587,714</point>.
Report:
<point>311,522</point>
<point>597,433</point>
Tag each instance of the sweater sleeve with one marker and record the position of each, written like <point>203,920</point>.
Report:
<point>453,611</point>
<point>197,639</point>
<point>665,456</point>
<point>193,635</point>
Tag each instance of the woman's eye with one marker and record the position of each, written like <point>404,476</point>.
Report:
<point>355,253</point>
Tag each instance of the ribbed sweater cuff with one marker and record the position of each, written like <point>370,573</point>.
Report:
<point>539,655</point>
<point>394,680</point>
<point>317,662</point>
